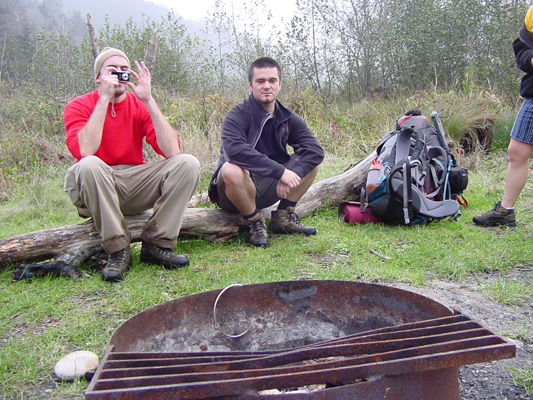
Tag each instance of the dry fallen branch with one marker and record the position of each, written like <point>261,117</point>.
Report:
<point>92,39</point>
<point>376,253</point>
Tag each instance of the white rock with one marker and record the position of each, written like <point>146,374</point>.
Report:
<point>75,365</point>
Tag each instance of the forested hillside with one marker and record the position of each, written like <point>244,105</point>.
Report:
<point>341,60</point>
<point>339,49</point>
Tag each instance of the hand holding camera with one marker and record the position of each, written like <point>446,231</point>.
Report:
<point>138,81</point>
<point>123,76</point>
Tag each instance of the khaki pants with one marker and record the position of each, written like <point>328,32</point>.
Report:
<point>108,193</point>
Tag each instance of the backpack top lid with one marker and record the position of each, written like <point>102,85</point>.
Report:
<point>408,139</point>
<point>413,119</point>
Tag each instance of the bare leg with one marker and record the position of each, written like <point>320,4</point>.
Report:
<point>517,171</point>
<point>240,188</point>
<point>297,193</point>
<point>284,219</point>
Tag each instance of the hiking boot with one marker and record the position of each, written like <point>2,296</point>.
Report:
<point>117,263</point>
<point>162,256</point>
<point>286,221</point>
<point>497,216</point>
<point>258,232</point>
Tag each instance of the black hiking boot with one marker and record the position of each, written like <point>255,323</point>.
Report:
<point>286,221</point>
<point>497,216</point>
<point>258,232</point>
<point>162,256</point>
<point>117,263</point>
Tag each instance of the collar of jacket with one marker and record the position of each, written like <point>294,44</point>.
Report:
<point>281,113</point>
<point>526,36</point>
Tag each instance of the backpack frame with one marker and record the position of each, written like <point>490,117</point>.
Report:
<point>413,183</point>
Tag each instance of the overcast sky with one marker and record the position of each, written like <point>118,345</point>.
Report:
<point>196,9</point>
<point>193,10</point>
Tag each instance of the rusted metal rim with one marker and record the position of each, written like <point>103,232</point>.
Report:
<point>344,339</point>
<point>329,308</point>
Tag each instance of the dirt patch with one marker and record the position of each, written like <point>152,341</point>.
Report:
<point>493,380</point>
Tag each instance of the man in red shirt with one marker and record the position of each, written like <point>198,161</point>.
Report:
<point>105,131</point>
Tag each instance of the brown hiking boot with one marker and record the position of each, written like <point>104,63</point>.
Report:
<point>117,263</point>
<point>258,232</point>
<point>286,221</point>
<point>497,216</point>
<point>162,256</point>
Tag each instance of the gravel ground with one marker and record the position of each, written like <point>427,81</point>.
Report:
<point>493,380</point>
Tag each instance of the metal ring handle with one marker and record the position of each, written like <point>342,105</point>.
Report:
<point>215,313</point>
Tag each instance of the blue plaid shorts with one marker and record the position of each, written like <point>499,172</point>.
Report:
<point>523,124</point>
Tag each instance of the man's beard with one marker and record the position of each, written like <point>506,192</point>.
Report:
<point>120,90</point>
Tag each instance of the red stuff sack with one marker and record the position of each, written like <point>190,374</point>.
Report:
<point>354,212</point>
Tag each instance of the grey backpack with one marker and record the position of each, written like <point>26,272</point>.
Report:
<point>409,181</point>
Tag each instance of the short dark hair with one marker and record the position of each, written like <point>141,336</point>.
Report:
<point>263,62</point>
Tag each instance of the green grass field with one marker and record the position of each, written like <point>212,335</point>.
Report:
<point>42,320</point>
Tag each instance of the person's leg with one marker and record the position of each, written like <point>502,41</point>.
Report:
<point>167,186</point>
<point>237,193</point>
<point>284,219</point>
<point>519,150</point>
<point>503,212</point>
<point>178,179</point>
<point>91,186</point>
<point>239,188</point>
<point>297,193</point>
<point>517,171</point>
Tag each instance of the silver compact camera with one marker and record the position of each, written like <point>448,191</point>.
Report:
<point>123,76</point>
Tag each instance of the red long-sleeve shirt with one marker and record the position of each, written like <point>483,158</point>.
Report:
<point>123,134</point>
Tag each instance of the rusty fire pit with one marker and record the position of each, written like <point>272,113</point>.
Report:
<point>319,340</point>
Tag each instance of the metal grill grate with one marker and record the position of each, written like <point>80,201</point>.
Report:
<point>330,369</point>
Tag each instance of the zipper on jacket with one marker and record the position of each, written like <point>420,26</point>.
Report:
<point>269,115</point>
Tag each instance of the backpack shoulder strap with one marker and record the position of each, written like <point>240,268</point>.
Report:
<point>403,144</point>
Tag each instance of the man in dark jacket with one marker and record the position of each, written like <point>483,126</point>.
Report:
<point>254,168</point>
<point>521,144</point>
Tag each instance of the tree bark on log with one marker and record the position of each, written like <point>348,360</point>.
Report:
<point>72,244</point>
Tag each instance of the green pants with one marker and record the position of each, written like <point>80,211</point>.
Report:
<point>108,193</point>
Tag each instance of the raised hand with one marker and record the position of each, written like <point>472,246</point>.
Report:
<point>143,79</point>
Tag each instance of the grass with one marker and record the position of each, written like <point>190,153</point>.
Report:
<point>510,292</point>
<point>44,319</point>
<point>524,378</point>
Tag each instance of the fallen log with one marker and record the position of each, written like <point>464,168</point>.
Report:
<point>69,245</point>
